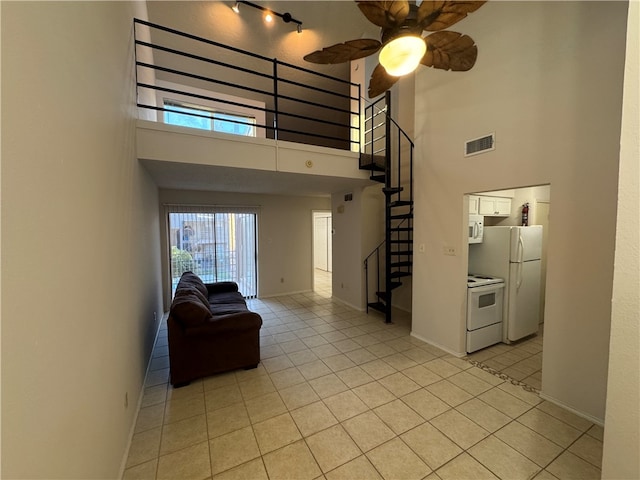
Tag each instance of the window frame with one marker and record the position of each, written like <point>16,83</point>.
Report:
<point>254,109</point>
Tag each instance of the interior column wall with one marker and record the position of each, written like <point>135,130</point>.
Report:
<point>80,250</point>
<point>556,115</point>
<point>622,422</point>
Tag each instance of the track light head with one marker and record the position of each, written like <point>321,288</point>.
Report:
<point>268,15</point>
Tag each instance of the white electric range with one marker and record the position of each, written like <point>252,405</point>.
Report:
<point>484,311</point>
<point>475,280</point>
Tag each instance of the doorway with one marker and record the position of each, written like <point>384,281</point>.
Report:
<point>521,359</point>
<point>322,252</point>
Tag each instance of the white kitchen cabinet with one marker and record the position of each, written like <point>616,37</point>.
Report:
<point>494,206</point>
<point>474,201</point>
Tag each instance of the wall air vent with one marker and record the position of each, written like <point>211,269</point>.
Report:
<point>480,145</point>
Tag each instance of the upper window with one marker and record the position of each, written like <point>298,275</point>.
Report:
<point>197,116</point>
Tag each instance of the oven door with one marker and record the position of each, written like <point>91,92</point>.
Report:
<point>484,305</point>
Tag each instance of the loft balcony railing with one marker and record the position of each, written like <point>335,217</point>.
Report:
<point>284,101</point>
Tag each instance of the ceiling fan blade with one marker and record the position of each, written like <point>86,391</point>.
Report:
<point>450,51</point>
<point>385,14</point>
<point>343,52</point>
<point>435,15</point>
<point>380,81</point>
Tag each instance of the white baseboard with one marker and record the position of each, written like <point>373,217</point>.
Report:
<point>443,348</point>
<point>393,305</point>
<point>586,416</point>
<point>344,302</point>
<point>123,464</point>
<point>274,295</point>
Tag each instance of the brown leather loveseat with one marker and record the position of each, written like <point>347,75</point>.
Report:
<point>210,330</point>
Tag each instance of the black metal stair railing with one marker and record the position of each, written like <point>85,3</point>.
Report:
<point>387,152</point>
<point>299,105</point>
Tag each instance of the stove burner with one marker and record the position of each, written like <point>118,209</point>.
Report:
<point>475,280</point>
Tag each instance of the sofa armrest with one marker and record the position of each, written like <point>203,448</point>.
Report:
<point>221,287</point>
<point>226,323</point>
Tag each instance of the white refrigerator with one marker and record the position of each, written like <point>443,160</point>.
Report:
<point>513,253</point>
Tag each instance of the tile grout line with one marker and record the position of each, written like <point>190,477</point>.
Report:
<point>502,376</point>
<point>336,317</point>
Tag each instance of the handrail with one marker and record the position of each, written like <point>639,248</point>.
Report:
<point>384,111</point>
<point>384,153</point>
<point>304,105</point>
<point>374,250</point>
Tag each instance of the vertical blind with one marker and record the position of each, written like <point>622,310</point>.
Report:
<point>217,243</point>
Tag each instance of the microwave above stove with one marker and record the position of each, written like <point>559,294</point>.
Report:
<point>476,226</point>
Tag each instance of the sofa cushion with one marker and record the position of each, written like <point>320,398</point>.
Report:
<point>218,309</point>
<point>221,287</point>
<point>189,310</point>
<point>229,297</point>
<point>186,289</point>
<point>192,280</point>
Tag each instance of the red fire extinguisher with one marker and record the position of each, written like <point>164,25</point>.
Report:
<point>525,215</point>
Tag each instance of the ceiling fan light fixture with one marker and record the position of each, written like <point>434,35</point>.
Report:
<point>402,55</point>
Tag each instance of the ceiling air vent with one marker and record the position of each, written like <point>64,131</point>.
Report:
<point>480,145</point>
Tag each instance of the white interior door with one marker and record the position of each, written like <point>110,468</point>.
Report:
<point>321,259</point>
<point>322,249</point>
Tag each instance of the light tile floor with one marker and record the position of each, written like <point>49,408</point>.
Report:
<point>322,282</point>
<point>520,360</point>
<point>341,395</point>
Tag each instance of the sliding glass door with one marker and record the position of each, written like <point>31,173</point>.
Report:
<point>216,243</point>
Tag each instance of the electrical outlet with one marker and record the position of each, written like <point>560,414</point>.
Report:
<point>449,250</point>
<point>282,280</point>
<point>421,248</point>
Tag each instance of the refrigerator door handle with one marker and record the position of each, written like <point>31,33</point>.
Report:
<point>520,260</point>
<point>520,249</point>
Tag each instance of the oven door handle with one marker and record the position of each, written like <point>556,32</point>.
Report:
<point>492,287</point>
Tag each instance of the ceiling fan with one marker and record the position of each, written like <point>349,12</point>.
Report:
<point>402,47</point>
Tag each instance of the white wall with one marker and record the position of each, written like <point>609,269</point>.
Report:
<point>348,253</point>
<point>80,251</point>
<point>622,423</point>
<point>548,81</point>
<point>358,228</point>
<point>285,233</point>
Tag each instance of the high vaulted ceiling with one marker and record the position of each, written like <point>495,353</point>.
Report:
<point>323,23</point>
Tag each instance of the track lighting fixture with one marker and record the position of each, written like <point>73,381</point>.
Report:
<point>269,14</point>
